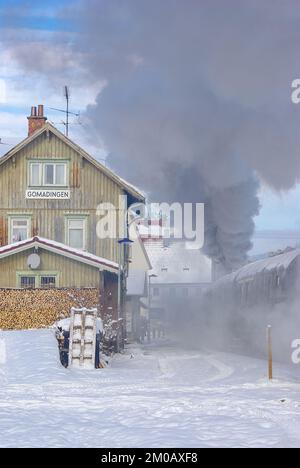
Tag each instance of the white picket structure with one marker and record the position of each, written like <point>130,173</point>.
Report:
<point>83,329</point>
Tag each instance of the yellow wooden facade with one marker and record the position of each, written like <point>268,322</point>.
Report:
<point>69,273</point>
<point>90,184</point>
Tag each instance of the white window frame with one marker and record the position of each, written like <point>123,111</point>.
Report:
<point>65,166</point>
<point>54,164</point>
<point>18,218</point>
<point>84,229</point>
<point>42,173</point>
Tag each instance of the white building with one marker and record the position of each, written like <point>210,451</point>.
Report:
<point>180,273</point>
<point>137,291</point>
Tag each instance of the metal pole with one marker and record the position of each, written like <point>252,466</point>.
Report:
<point>67,119</point>
<point>149,309</point>
<point>119,298</point>
<point>270,352</point>
<point>67,96</point>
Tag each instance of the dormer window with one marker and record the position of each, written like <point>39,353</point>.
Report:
<point>48,174</point>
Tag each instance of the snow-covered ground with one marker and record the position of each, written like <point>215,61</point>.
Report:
<point>159,395</point>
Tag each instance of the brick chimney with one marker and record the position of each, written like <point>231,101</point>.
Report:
<point>36,119</point>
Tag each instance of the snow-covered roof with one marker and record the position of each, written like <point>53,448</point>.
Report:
<point>279,263</point>
<point>136,283</point>
<point>177,264</point>
<point>61,249</point>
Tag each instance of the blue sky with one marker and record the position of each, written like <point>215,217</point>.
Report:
<point>44,19</point>
<point>39,15</point>
<point>279,211</point>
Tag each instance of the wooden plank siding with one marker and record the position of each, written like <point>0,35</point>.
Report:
<point>88,187</point>
<point>3,231</point>
<point>72,274</point>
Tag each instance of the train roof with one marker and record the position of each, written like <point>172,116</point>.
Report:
<point>280,263</point>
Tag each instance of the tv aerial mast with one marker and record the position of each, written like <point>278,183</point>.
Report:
<point>66,111</point>
<point>2,143</point>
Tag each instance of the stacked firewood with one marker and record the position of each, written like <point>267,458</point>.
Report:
<point>22,309</point>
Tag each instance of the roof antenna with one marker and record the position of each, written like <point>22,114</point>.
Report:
<point>67,96</point>
<point>66,111</point>
<point>6,144</point>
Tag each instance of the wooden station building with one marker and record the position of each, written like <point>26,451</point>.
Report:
<point>50,189</point>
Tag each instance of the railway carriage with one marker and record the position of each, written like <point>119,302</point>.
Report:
<point>241,305</point>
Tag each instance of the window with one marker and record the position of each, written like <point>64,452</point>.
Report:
<point>156,292</point>
<point>60,174</point>
<point>48,174</point>
<point>55,174</point>
<point>48,281</point>
<point>44,279</point>
<point>35,174</point>
<point>27,282</point>
<point>76,233</point>
<point>19,229</point>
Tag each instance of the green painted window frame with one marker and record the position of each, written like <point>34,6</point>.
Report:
<point>37,275</point>
<point>43,162</point>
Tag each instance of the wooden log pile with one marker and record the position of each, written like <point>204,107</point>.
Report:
<point>22,309</point>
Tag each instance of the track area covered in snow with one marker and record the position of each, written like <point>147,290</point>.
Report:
<point>160,395</point>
